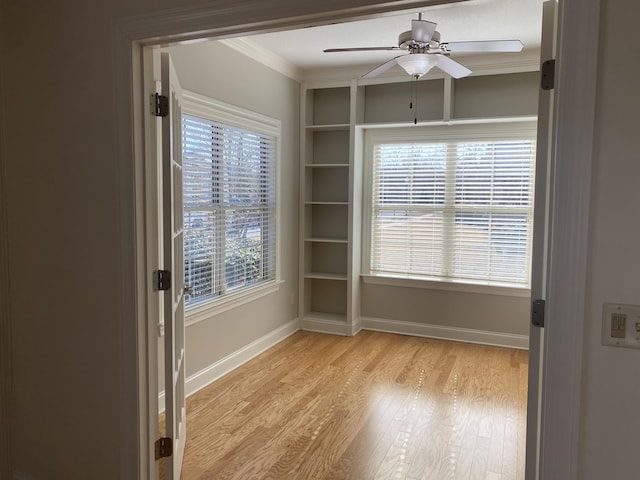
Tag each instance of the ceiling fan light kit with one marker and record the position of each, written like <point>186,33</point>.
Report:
<point>425,51</point>
<point>417,64</point>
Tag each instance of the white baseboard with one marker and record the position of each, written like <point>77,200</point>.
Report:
<point>326,325</point>
<point>213,372</point>
<point>446,333</point>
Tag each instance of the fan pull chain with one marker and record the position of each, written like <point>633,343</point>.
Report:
<point>410,95</point>
<point>415,93</point>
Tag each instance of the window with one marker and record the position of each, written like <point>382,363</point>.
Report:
<point>453,203</point>
<point>230,208</point>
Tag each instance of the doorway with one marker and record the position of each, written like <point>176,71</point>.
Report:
<point>226,25</point>
<point>193,63</point>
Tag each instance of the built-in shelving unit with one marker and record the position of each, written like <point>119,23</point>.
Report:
<point>326,203</point>
<point>334,118</point>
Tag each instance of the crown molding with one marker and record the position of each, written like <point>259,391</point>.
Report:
<point>253,50</point>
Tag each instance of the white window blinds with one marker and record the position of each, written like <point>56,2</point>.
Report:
<point>456,210</point>
<point>229,208</point>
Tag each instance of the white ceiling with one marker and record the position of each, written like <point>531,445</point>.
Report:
<point>298,53</point>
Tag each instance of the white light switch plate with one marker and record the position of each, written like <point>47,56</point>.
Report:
<point>621,325</point>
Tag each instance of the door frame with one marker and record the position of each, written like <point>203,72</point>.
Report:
<point>575,117</point>
<point>575,90</point>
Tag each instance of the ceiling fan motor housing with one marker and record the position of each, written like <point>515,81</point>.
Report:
<point>406,41</point>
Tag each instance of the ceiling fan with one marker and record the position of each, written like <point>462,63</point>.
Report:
<point>425,51</point>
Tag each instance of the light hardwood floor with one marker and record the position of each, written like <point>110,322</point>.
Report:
<point>373,406</point>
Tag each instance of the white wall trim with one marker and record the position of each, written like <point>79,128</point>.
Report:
<point>213,372</point>
<point>134,450</point>
<point>447,286</point>
<point>228,18</point>
<point>575,87</point>
<point>455,334</point>
<point>257,52</point>
<point>319,324</point>
<point>219,111</point>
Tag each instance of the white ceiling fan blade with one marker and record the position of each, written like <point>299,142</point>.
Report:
<point>485,46</point>
<point>422,31</point>
<point>381,68</point>
<point>359,49</point>
<point>451,67</point>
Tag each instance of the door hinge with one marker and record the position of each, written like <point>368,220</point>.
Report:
<point>548,75</point>
<point>159,105</point>
<point>161,280</point>
<point>163,448</point>
<point>537,313</point>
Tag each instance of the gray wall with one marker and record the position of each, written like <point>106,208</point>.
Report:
<point>476,311</point>
<point>217,71</point>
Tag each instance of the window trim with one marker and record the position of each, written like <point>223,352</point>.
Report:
<point>447,285</point>
<point>218,111</point>
<point>465,130</point>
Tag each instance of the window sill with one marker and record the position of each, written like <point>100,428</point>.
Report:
<point>447,285</point>
<point>212,308</point>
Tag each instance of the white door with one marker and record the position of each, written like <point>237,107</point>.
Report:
<point>542,214</point>
<point>175,405</point>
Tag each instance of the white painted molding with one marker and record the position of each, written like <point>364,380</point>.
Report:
<point>213,372</point>
<point>575,87</point>
<point>440,332</point>
<point>356,326</point>
<point>257,52</point>
<point>335,327</point>
<point>447,286</point>
<point>227,18</point>
<point>325,325</point>
<point>134,450</point>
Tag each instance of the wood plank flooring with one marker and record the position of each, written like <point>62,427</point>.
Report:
<point>373,406</point>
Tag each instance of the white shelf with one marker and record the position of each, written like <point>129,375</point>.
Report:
<point>326,276</point>
<point>331,317</point>
<point>327,165</point>
<point>326,240</point>
<point>335,126</point>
